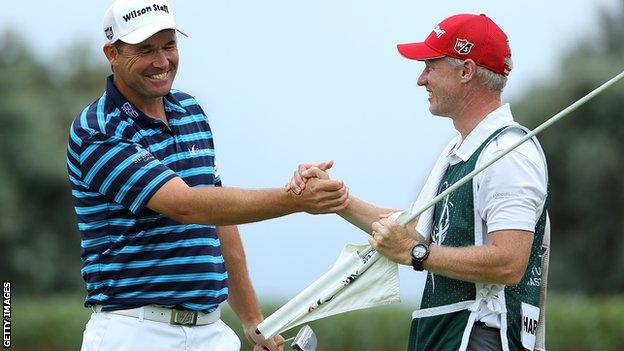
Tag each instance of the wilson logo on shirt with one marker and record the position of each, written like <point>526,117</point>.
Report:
<point>141,155</point>
<point>193,151</point>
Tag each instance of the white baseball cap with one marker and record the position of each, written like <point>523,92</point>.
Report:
<point>133,21</point>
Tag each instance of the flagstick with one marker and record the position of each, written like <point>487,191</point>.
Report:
<point>403,220</point>
<point>286,340</point>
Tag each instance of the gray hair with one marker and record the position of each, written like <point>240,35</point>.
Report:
<point>492,80</point>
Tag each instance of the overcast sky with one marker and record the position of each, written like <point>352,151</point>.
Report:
<point>289,81</point>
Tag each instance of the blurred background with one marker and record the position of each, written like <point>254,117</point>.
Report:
<point>285,82</point>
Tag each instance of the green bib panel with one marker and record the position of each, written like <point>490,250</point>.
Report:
<point>454,226</point>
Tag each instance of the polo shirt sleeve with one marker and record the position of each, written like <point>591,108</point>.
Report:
<point>217,174</point>
<point>511,192</point>
<point>122,170</point>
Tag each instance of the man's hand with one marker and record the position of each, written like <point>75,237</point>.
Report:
<point>393,240</point>
<point>315,192</point>
<point>276,343</point>
<point>322,195</point>
<point>298,182</point>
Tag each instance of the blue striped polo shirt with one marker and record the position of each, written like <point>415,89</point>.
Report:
<point>117,158</point>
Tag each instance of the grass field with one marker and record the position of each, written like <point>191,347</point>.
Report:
<point>573,324</point>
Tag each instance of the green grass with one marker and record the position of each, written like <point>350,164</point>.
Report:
<point>574,323</point>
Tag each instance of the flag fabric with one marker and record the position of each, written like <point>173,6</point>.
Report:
<point>377,285</point>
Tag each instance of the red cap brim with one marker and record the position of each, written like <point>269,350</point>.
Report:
<point>418,51</point>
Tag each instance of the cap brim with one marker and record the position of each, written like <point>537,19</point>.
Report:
<point>418,51</point>
<point>141,34</point>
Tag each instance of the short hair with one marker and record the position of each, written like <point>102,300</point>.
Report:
<point>118,44</point>
<point>491,80</point>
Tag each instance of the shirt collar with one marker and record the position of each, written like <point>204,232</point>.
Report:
<point>495,120</point>
<point>170,102</point>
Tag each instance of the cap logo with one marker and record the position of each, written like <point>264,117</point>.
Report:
<point>136,13</point>
<point>109,33</point>
<point>438,31</point>
<point>463,46</point>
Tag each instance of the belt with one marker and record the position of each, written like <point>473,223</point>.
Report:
<point>167,315</point>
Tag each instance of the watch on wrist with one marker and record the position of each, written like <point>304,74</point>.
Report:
<point>419,254</point>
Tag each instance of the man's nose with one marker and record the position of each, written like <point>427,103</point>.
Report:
<point>160,59</point>
<point>422,79</point>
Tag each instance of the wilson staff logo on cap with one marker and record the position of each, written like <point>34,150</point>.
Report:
<point>463,46</point>
<point>133,21</point>
<point>464,36</point>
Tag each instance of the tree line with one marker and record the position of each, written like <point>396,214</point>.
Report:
<point>39,241</point>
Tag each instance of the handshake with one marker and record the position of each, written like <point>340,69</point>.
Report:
<point>314,192</point>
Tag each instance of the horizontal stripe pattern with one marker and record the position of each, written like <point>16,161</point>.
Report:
<point>117,158</point>
<point>191,293</point>
<point>156,279</point>
<point>114,267</point>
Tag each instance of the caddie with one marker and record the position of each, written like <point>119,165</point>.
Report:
<point>485,254</point>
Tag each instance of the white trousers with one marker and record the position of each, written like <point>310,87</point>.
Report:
<point>113,332</point>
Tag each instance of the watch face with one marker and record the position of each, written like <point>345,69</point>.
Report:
<point>419,251</point>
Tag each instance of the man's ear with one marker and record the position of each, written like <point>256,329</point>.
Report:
<point>468,70</point>
<point>111,53</point>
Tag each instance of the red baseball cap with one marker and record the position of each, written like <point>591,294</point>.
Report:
<point>464,36</point>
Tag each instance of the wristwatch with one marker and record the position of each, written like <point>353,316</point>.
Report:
<point>419,254</point>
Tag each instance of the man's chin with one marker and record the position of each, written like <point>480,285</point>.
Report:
<point>159,91</point>
<point>437,113</point>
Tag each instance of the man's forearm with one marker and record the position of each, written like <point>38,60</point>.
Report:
<point>241,296</point>
<point>229,206</point>
<point>503,260</point>
<point>362,214</point>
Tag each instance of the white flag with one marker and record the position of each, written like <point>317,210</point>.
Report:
<point>377,284</point>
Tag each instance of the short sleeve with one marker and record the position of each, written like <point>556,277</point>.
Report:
<point>122,170</point>
<point>512,191</point>
<point>217,174</point>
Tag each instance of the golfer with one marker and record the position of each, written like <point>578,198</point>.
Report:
<point>484,257</point>
<point>160,246</point>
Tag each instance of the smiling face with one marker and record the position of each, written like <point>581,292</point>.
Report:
<point>145,71</point>
<point>442,82</point>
